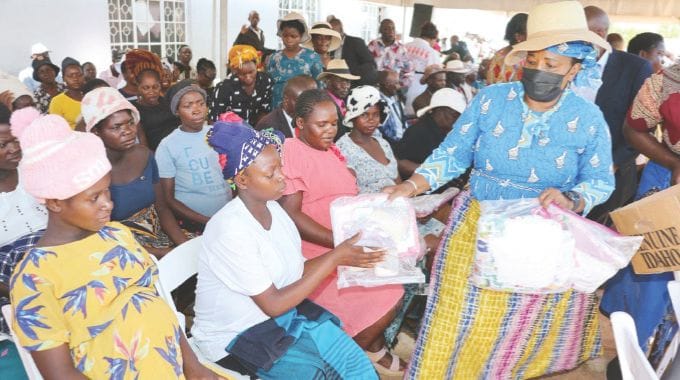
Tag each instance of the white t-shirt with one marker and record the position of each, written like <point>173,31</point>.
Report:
<point>241,259</point>
<point>421,55</point>
<point>20,214</point>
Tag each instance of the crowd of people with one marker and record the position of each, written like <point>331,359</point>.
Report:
<point>98,172</point>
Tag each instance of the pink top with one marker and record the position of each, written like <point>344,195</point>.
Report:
<point>339,102</point>
<point>322,177</point>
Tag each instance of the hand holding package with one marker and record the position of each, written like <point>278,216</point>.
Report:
<point>388,225</point>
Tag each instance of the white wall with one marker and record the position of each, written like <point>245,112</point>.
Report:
<point>204,31</point>
<point>76,28</point>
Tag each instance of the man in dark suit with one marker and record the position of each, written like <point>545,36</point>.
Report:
<point>282,118</point>
<point>359,59</point>
<point>251,34</point>
<point>622,77</point>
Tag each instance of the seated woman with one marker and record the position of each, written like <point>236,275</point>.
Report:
<point>22,222</point>
<point>156,121</point>
<point>649,46</point>
<point>251,294</point>
<point>84,300</point>
<point>46,73</point>
<point>367,153</point>
<point>434,123</point>
<point>67,104</point>
<point>293,60</point>
<point>184,56</point>
<point>246,91</point>
<point>20,213</point>
<point>188,168</point>
<point>205,76</point>
<point>324,41</point>
<point>316,174</point>
<point>138,200</point>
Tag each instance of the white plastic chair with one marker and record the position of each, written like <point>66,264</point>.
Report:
<point>26,358</point>
<point>174,268</point>
<point>633,362</point>
<point>670,365</point>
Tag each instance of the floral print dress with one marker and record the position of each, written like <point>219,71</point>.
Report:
<point>281,68</point>
<point>97,296</point>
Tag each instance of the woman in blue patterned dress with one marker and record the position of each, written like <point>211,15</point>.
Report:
<point>293,60</point>
<point>528,139</point>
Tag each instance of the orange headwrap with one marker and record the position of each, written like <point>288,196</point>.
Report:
<point>138,60</point>
<point>240,54</point>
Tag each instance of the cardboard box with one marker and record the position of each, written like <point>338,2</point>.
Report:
<point>657,218</point>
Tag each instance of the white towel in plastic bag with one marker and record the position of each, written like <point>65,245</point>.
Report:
<point>384,225</point>
<point>524,248</point>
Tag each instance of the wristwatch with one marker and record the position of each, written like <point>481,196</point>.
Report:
<point>575,197</point>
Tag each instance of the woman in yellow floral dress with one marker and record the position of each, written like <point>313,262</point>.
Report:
<point>84,298</point>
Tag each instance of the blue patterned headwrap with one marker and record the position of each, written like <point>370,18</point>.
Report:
<point>237,144</point>
<point>585,52</point>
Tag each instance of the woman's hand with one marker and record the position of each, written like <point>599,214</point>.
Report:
<point>404,189</point>
<point>552,195</point>
<point>354,256</point>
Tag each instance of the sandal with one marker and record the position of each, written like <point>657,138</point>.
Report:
<point>393,370</point>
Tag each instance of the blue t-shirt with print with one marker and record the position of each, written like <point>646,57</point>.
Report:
<point>187,157</point>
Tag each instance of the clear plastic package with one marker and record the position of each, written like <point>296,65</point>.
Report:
<point>426,204</point>
<point>524,248</point>
<point>383,225</point>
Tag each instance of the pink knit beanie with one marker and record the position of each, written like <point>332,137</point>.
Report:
<point>57,162</point>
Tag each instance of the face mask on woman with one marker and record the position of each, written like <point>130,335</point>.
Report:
<point>542,86</point>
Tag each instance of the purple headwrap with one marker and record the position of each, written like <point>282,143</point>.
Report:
<point>237,144</point>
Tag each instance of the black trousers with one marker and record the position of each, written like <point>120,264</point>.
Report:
<point>626,186</point>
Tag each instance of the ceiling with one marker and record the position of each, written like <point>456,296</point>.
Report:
<point>632,8</point>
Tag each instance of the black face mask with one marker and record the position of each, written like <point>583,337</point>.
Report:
<point>542,86</point>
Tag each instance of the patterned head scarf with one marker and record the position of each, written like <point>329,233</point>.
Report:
<point>237,144</point>
<point>585,52</point>
<point>240,54</point>
<point>103,102</point>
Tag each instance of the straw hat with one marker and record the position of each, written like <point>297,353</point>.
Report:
<point>431,70</point>
<point>323,28</point>
<point>552,24</point>
<point>457,66</point>
<point>339,68</point>
<point>297,17</point>
<point>445,97</point>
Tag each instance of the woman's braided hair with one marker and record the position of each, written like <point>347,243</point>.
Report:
<point>308,100</point>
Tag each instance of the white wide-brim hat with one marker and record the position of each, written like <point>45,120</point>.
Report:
<point>324,29</point>
<point>551,24</point>
<point>39,48</point>
<point>445,97</point>
<point>294,16</point>
<point>359,100</point>
<point>339,68</point>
